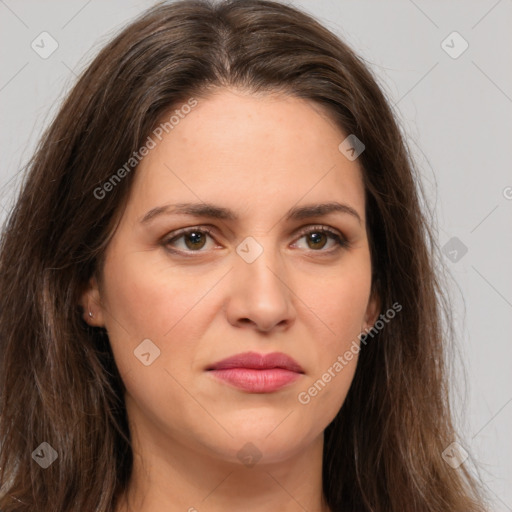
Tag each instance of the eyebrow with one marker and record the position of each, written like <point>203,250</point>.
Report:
<point>219,212</point>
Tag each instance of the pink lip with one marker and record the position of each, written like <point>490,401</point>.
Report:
<point>257,373</point>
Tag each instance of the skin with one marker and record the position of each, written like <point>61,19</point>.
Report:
<point>304,295</point>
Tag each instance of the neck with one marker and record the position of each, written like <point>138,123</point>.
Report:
<point>169,476</point>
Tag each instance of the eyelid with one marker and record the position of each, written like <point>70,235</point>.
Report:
<point>336,235</point>
<point>175,235</point>
<point>318,227</point>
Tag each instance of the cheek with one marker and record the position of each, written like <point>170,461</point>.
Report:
<point>341,306</point>
<point>154,302</point>
<point>151,301</point>
<point>341,302</point>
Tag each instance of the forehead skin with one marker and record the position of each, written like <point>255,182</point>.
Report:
<point>282,149</point>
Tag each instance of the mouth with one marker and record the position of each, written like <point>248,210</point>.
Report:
<point>257,373</point>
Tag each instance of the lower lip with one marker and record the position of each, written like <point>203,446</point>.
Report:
<point>257,381</point>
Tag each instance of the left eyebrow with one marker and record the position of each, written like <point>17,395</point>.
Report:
<point>218,212</point>
<point>319,210</point>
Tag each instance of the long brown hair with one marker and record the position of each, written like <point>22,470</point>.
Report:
<point>58,379</point>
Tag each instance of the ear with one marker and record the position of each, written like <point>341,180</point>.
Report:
<point>90,300</point>
<point>372,310</point>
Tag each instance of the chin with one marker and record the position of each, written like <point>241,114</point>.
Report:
<point>261,444</point>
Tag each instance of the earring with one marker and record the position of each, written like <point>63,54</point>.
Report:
<point>90,314</point>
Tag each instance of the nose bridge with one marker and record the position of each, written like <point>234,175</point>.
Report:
<point>259,264</point>
<point>259,292</point>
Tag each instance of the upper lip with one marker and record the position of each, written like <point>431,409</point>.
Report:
<point>255,361</point>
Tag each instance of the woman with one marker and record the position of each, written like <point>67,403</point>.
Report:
<point>182,329</point>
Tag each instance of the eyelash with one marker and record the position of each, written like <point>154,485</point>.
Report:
<point>334,235</point>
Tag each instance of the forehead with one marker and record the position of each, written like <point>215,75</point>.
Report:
<point>249,150</point>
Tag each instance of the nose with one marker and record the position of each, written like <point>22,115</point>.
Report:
<point>259,295</point>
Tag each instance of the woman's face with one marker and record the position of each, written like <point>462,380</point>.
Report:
<point>265,279</point>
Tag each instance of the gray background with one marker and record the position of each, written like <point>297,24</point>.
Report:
<point>456,112</point>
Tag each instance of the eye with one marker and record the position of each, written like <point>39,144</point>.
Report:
<point>317,238</point>
<point>195,239</point>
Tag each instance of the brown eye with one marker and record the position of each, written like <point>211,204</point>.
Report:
<point>318,240</point>
<point>192,240</point>
<point>195,240</point>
